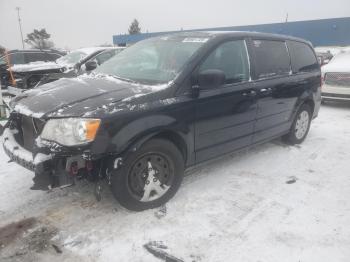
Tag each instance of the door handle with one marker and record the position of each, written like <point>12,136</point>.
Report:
<point>250,93</point>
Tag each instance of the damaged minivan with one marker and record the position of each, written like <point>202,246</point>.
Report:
<point>161,106</point>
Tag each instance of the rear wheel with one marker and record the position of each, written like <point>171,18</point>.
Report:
<point>300,126</point>
<point>150,176</point>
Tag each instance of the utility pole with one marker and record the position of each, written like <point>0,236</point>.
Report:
<point>287,18</point>
<point>20,25</point>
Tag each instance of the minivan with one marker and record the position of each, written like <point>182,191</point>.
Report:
<point>161,106</point>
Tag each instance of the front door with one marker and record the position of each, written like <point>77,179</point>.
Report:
<point>225,115</point>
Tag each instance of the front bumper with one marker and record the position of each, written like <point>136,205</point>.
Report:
<point>38,163</point>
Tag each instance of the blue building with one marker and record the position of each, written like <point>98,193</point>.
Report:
<point>323,32</point>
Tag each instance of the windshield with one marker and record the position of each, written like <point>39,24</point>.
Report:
<point>72,58</point>
<point>154,61</point>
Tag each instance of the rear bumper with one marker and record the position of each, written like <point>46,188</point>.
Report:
<point>336,92</point>
<point>329,96</point>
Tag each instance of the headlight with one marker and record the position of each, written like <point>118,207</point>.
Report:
<point>71,131</point>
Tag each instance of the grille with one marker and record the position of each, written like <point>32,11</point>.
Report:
<point>31,128</point>
<point>338,79</point>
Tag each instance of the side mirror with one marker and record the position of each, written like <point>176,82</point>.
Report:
<point>211,78</point>
<point>90,65</point>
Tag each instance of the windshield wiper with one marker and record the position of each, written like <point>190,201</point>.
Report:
<point>122,78</point>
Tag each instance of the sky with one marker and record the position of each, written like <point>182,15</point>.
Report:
<point>81,23</point>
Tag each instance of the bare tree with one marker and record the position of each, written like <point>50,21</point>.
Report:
<point>39,39</point>
<point>134,28</point>
<point>2,50</point>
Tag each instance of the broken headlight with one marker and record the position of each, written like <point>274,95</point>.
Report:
<point>71,131</point>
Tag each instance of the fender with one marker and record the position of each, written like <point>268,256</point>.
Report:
<point>132,136</point>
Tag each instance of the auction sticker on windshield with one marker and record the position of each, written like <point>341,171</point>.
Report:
<point>195,40</point>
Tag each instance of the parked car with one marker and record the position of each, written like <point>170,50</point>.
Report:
<point>163,105</point>
<point>71,65</point>
<point>20,57</point>
<point>336,76</point>
<point>324,58</point>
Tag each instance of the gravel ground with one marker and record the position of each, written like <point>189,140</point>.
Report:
<point>270,203</point>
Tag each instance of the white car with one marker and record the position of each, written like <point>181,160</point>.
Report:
<point>336,77</point>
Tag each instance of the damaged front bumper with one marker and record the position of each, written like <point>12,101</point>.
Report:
<point>50,170</point>
<point>38,163</point>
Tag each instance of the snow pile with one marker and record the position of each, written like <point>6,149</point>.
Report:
<point>334,50</point>
<point>243,207</point>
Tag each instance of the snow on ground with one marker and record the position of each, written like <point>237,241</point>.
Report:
<point>270,203</point>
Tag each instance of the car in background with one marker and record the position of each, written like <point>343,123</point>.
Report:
<point>20,57</point>
<point>77,62</point>
<point>324,57</point>
<point>336,77</point>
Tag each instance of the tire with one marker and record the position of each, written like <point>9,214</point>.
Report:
<point>158,160</point>
<point>300,124</point>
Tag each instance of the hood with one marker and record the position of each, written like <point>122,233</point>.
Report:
<point>74,97</point>
<point>339,64</point>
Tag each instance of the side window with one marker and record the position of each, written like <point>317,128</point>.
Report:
<point>231,58</point>
<point>52,56</point>
<point>302,57</point>
<point>271,58</point>
<point>16,58</point>
<point>34,57</point>
<point>104,56</point>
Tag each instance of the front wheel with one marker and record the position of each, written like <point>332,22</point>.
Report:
<point>300,126</point>
<point>148,177</point>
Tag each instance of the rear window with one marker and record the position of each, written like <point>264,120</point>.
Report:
<point>53,56</point>
<point>16,58</point>
<point>302,57</point>
<point>34,57</point>
<point>271,58</point>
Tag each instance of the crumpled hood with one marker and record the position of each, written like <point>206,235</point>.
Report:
<point>75,96</point>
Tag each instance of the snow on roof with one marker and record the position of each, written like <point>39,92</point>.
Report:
<point>35,66</point>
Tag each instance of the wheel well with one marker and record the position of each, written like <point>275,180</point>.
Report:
<point>310,103</point>
<point>176,139</point>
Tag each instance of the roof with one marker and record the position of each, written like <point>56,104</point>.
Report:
<point>34,51</point>
<point>228,34</point>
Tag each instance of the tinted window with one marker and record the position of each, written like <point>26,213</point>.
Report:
<point>302,57</point>
<point>52,56</point>
<point>2,60</point>
<point>231,58</point>
<point>104,56</point>
<point>16,58</point>
<point>271,58</point>
<point>34,57</point>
